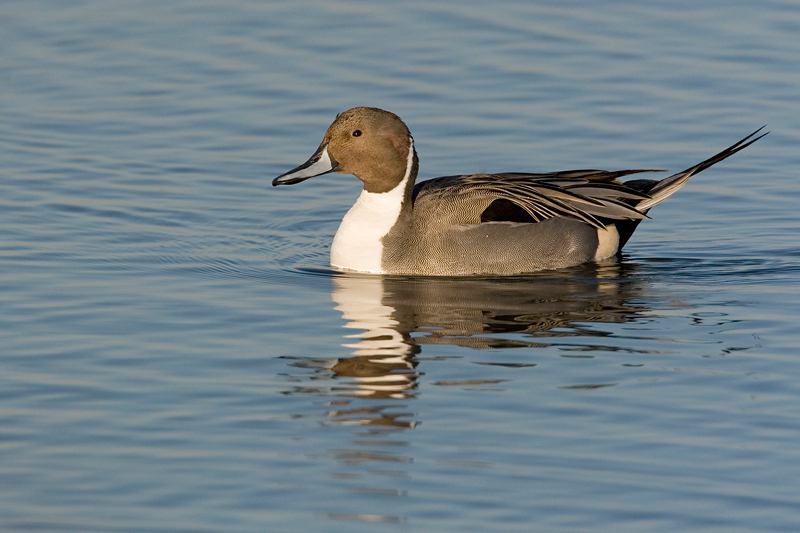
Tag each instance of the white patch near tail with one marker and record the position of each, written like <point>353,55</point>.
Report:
<point>608,242</point>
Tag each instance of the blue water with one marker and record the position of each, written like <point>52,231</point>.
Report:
<point>176,356</point>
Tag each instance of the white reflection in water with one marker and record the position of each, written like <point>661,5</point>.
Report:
<point>398,316</point>
<point>373,390</point>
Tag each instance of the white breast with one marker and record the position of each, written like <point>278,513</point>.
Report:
<point>357,246</point>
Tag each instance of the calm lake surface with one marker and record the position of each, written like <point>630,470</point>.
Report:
<point>176,355</point>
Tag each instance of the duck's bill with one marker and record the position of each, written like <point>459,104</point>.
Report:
<point>318,164</point>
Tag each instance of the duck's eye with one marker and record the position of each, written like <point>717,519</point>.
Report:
<point>357,133</point>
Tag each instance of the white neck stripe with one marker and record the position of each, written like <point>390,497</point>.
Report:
<point>358,244</point>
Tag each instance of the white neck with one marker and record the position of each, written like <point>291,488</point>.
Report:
<point>358,245</point>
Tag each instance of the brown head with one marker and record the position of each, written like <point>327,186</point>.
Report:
<point>370,143</point>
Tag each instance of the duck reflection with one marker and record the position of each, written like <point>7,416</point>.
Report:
<point>392,319</point>
<point>395,317</point>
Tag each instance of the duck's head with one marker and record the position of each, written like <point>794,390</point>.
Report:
<point>372,144</point>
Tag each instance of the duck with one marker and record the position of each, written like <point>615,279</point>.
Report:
<point>495,224</point>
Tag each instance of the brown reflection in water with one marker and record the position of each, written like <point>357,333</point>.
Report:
<point>370,416</point>
<point>394,318</point>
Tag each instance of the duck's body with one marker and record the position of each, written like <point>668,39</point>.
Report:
<point>474,224</point>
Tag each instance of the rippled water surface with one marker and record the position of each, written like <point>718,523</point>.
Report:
<point>176,356</point>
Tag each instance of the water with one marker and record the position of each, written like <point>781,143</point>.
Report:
<point>177,357</point>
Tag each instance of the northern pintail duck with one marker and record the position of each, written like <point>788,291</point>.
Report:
<point>501,224</point>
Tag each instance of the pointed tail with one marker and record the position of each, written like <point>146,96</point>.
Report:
<point>668,186</point>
